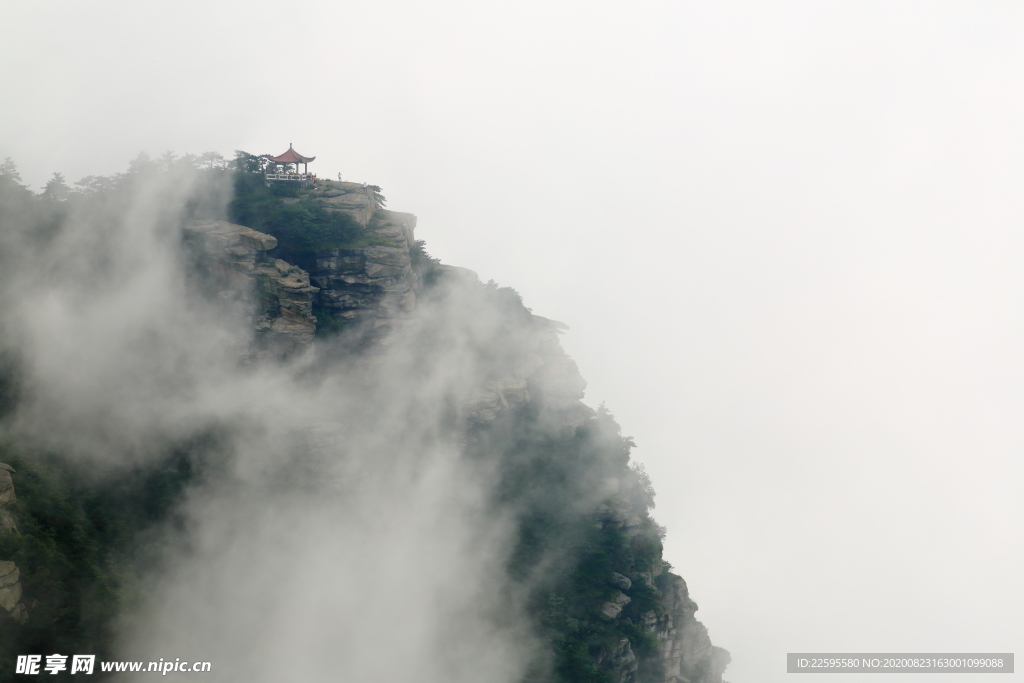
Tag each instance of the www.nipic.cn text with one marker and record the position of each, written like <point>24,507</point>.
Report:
<point>86,664</point>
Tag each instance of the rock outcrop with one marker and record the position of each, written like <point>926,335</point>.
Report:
<point>274,296</point>
<point>621,661</point>
<point>7,499</point>
<point>352,199</point>
<point>618,514</point>
<point>685,653</point>
<point>613,607</point>
<point>10,576</point>
<point>368,293</point>
<point>367,290</point>
<point>485,404</point>
<point>544,375</point>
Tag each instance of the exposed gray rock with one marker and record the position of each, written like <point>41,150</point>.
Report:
<point>550,324</point>
<point>556,381</point>
<point>406,222</point>
<point>371,290</point>
<point>276,297</point>
<point>457,274</point>
<point>20,613</point>
<point>8,573</point>
<point>7,496</point>
<point>10,576</point>
<point>10,585</point>
<point>620,661</point>
<point>613,607</point>
<point>387,256</point>
<point>615,513</point>
<point>352,199</point>
<point>633,525</point>
<point>7,522</point>
<point>488,401</point>
<point>685,652</point>
<point>7,499</point>
<point>620,581</point>
<point>257,240</point>
<point>285,310</point>
<point>545,374</point>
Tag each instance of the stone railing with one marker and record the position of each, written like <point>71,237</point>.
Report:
<point>292,177</point>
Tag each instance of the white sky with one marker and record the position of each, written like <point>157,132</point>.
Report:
<point>786,237</point>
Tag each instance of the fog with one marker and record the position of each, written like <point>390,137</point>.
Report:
<point>785,237</point>
<point>338,529</point>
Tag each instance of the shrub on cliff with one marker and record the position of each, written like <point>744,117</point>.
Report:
<point>564,554</point>
<point>80,544</point>
<point>302,227</point>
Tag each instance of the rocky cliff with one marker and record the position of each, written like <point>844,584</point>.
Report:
<point>372,291</point>
<point>368,290</point>
<point>10,576</point>
<point>365,295</point>
<point>364,291</point>
<point>586,569</point>
<point>685,653</point>
<point>343,308</point>
<point>275,297</point>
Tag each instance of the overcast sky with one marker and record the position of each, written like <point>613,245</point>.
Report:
<point>786,237</point>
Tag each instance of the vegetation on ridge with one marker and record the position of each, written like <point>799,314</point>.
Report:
<point>565,554</point>
<point>82,544</point>
<point>302,226</point>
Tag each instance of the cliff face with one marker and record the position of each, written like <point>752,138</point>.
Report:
<point>685,653</point>
<point>367,297</point>
<point>369,294</point>
<point>275,297</point>
<point>10,576</point>
<point>368,290</point>
<point>365,291</point>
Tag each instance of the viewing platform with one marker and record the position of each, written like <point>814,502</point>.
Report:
<point>285,168</point>
<point>293,177</point>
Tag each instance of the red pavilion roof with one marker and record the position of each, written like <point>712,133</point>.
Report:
<point>291,157</point>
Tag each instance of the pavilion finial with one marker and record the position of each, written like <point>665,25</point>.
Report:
<point>290,157</point>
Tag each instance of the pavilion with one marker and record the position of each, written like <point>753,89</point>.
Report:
<point>291,157</point>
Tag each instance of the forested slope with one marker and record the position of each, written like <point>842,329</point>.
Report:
<point>298,349</point>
